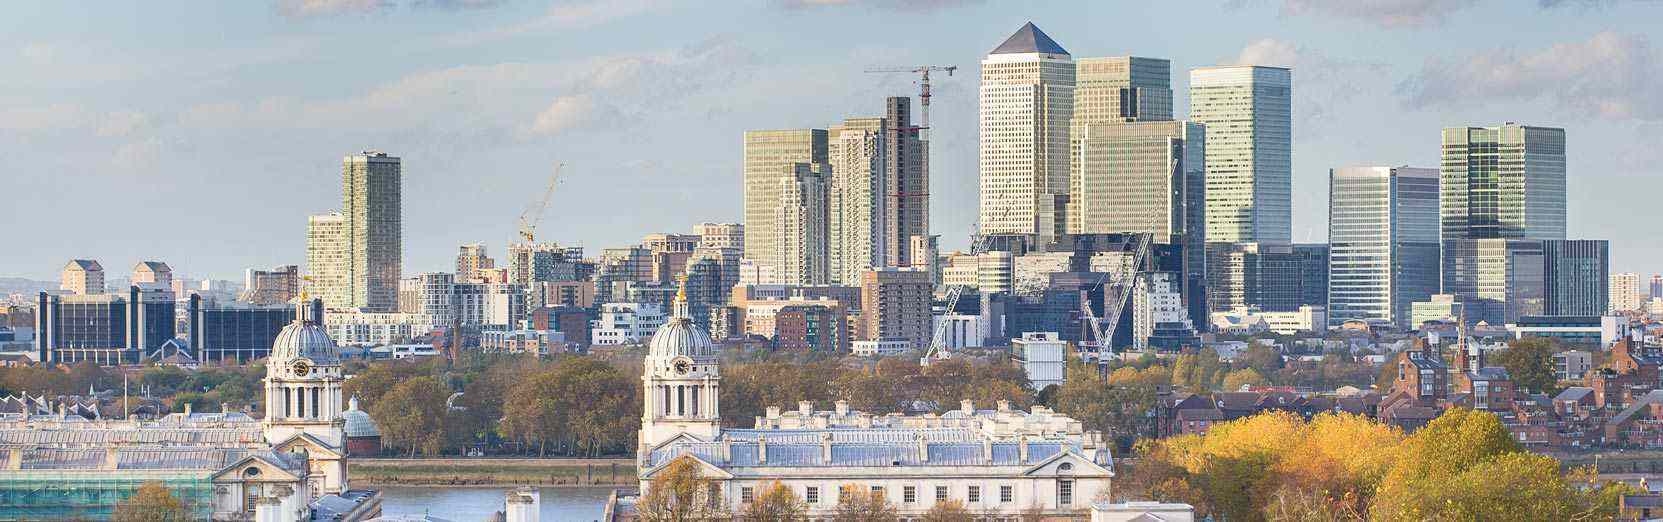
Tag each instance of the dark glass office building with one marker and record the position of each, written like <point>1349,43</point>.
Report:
<point>235,333</point>
<point>1578,275</point>
<point>106,329</point>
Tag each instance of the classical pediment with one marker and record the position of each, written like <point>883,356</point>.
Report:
<point>1078,466</point>
<point>706,469</point>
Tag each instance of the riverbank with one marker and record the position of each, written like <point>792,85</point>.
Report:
<point>493,471</point>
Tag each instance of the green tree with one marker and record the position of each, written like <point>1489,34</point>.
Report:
<point>1233,381</point>
<point>1260,357</point>
<point>412,415</point>
<point>681,493</point>
<point>152,502</point>
<point>776,504</point>
<point>1530,363</point>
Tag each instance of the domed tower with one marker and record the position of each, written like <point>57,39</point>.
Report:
<point>303,397</point>
<point>682,379</point>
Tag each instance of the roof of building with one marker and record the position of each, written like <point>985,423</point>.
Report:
<point>153,458</point>
<point>794,451</point>
<point>680,337</point>
<point>305,340</point>
<point>1641,404</point>
<point>84,264</point>
<point>152,266</point>
<point>1574,393</point>
<point>1490,373</point>
<point>1029,39</point>
<point>358,423</point>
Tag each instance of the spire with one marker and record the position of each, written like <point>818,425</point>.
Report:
<point>1029,39</point>
<point>679,310</point>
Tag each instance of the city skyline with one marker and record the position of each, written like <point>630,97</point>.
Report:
<point>248,106</point>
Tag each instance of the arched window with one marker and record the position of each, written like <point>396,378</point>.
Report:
<point>1065,467</point>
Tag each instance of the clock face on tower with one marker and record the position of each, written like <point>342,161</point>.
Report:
<point>300,368</point>
<point>682,367</point>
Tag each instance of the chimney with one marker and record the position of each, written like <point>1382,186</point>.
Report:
<point>187,409</point>
<point>805,408</point>
<point>987,450</point>
<point>727,450</point>
<point>761,450</point>
<point>1022,450</point>
<point>1004,405</point>
<point>923,448</point>
<point>825,448</point>
<point>225,407</point>
<point>112,458</point>
<point>969,408</point>
<point>773,412</point>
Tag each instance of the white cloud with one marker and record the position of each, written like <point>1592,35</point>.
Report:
<point>42,118</point>
<point>1322,85</point>
<point>1609,75</point>
<point>574,14</point>
<point>1386,13</point>
<point>1269,51</point>
<point>570,112</point>
<point>310,8</point>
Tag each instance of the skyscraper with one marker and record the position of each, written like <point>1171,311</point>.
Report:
<point>1577,273</point>
<point>1656,286</point>
<point>720,235</point>
<point>1625,292</point>
<point>1383,240</point>
<point>1247,111</point>
<point>327,265</point>
<point>770,156</point>
<point>907,161</point>
<point>1503,182</point>
<point>858,198</point>
<point>371,202</point>
<point>801,217</point>
<point>1027,105</point>
<point>1497,280</point>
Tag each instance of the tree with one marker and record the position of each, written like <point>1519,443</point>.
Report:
<point>412,415</point>
<point>856,504</point>
<point>1421,482</point>
<point>680,493</point>
<point>1530,364</point>
<point>949,511</point>
<point>1260,357</point>
<point>152,502</point>
<point>776,504</point>
<point>1234,381</point>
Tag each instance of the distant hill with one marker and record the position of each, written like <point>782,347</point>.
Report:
<point>19,285</point>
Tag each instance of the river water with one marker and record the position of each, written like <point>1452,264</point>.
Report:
<point>479,503</point>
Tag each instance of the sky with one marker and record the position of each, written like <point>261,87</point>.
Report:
<point>203,134</point>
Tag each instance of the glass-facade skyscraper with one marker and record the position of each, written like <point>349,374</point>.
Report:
<point>1248,113</point>
<point>1578,276</point>
<point>1497,280</point>
<point>1383,240</point>
<point>1503,182</point>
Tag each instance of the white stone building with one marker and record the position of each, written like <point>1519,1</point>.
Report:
<point>1001,462</point>
<point>1043,356</point>
<point>626,323</point>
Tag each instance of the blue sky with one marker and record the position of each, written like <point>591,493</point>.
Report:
<point>204,135</point>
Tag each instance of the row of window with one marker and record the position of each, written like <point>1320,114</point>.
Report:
<point>909,494</point>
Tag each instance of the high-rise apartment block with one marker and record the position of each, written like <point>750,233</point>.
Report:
<point>82,277</point>
<point>1383,241</point>
<point>770,166</point>
<point>1503,182</point>
<point>371,203</point>
<point>1249,161</point>
<point>153,276</point>
<point>270,287</point>
<point>471,263</point>
<point>802,226</point>
<point>720,235</point>
<point>1625,292</point>
<point>895,306</point>
<point>857,198</point>
<point>1577,275</point>
<point>907,163</point>
<point>1027,107</point>
<point>1656,286</point>
<point>328,268</point>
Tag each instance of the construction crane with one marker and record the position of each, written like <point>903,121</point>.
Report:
<point>1122,280</point>
<point>923,72</point>
<point>938,341</point>
<point>534,212</point>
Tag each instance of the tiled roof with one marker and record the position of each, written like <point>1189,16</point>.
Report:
<point>153,458</point>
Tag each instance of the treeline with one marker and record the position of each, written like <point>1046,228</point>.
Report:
<point>205,388</point>
<point>1276,466</point>
<point>591,406</point>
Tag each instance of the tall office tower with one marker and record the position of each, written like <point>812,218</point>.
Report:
<point>720,235</point>
<point>271,287</point>
<point>1383,240</point>
<point>769,159</point>
<point>371,202</point>
<point>1503,182</point>
<point>1145,177</point>
<point>1625,292</point>
<point>907,162</point>
<point>1577,273</point>
<point>1656,286</point>
<point>1247,111</point>
<point>1027,105</point>
<point>328,266</point>
<point>858,195</point>
<point>82,277</point>
<point>895,305</point>
<point>1497,280</point>
<point>153,276</point>
<point>471,262</point>
<point>1114,89</point>
<point>801,218</point>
